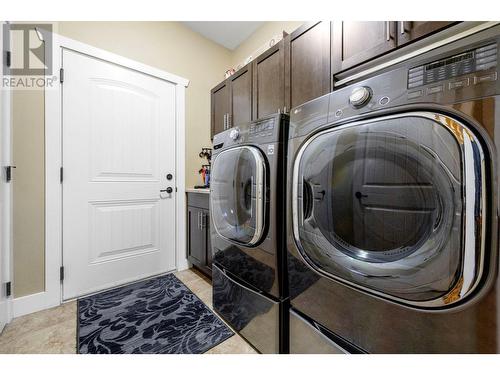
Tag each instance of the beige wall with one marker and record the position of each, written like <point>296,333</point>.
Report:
<point>172,47</point>
<point>261,37</point>
<point>28,185</point>
<point>28,192</point>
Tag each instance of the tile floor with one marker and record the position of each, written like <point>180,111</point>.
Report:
<point>54,330</point>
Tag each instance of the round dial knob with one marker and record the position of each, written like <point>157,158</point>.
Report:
<point>234,134</point>
<point>360,96</point>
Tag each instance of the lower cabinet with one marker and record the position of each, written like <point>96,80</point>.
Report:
<point>199,247</point>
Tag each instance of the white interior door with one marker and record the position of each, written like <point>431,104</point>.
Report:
<point>118,147</point>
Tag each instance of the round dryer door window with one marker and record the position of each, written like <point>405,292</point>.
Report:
<point>237,194</point>
<point>393,205</point>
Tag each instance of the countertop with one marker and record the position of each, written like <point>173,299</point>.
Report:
<point>193,190</point>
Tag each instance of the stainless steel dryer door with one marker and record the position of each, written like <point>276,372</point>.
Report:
<point>395,206</point>
<point>237,194</point>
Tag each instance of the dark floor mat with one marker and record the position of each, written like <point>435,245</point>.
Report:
<point>159,315</point>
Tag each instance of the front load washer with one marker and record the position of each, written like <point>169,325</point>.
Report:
<point>393,203</point>
<point>247,210</point>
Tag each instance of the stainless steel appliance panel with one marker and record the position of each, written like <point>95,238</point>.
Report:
<point>251,314</point>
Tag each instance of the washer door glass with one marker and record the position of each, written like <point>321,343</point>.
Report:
<point>380,204</point>
<point>237,185</point>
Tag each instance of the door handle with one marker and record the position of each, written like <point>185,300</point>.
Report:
<point>203,220</point>
<point>225,121</point>
<point>200,220</point>
<point>228,121</point>
<point>168,190</point>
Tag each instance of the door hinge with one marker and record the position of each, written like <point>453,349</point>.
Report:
<point>61,175</point>
<point>61,273</point>
<point>61,75</point>
<point>8,172</point>
<point>8,59</point>
<point>8,289</point>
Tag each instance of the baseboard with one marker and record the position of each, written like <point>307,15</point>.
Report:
<point>41,301</point>
<point>32,303</point>
<point>183,265</point>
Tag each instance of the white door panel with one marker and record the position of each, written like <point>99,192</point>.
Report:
<point>118,147</point>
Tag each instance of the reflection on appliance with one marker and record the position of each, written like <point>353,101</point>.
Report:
<point>300,277</point>
<point>237,303</point>
<point>247,201</point>
<point>392,209</point>
<point>248,268</point>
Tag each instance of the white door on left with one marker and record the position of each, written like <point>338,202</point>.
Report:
<point>118,147</point>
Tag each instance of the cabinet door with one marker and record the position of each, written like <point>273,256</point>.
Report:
<point>208,241</point>
<point>196,236</point>
<point>307,63</point>
<point>240,96</point>
<point>269,82</point>
<point>411,30</point>
<point>220,107</point>
<point>357,42</point>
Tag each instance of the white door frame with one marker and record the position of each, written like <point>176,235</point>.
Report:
<point>52,296</point>
<point>5,160</point>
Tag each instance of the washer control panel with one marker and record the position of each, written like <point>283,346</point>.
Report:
<point>261,130</point>
<point>476,60</point>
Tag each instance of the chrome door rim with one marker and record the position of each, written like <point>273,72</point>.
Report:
<point>260,172</point>
<point>473,248</point>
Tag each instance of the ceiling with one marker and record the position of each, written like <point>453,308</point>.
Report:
<point>229,34</point>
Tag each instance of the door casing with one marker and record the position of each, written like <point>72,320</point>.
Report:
<point>5,191</point>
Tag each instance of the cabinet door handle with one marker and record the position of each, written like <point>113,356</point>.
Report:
<point>228,121</point>
<point>199,221</point>
<point>224,122</point>
<point>388,30</point>
<point>402,27</point>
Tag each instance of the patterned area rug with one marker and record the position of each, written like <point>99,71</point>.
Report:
<point>159,315</point>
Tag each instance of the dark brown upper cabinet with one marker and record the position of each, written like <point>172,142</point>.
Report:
<point>307,63</point>
<point>409,31</point>
<point>269,82</point>
<point>219,97</point>
<point>356,42</point>
<point>240,96</point>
